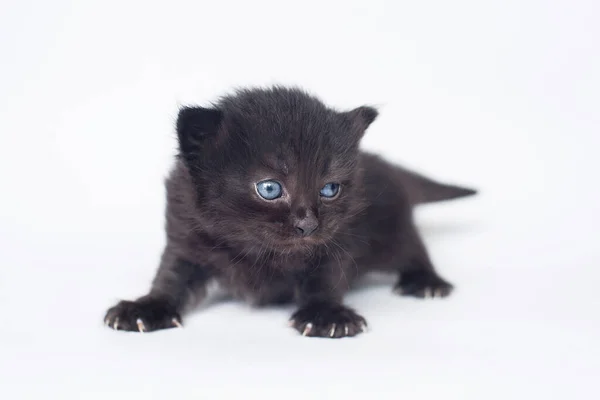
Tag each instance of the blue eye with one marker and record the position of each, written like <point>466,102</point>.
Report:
<point>269,190</point>
<point>330,190</point>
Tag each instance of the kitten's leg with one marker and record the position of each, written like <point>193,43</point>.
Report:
<point>417,274</point>
<point>175,283</point>
<point>321,312</point>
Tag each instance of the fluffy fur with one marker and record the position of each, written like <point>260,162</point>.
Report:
<point>219,228</point>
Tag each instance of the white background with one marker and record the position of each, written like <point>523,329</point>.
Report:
<point>501,95</point>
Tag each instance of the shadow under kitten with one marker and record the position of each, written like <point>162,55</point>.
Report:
<point>271,197</point>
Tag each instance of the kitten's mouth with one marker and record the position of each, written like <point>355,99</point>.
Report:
<point>298,243</point>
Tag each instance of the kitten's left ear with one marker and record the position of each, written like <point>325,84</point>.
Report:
<point>361,118</point>
<point>196,125</point>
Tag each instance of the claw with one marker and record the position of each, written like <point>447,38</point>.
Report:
<point>427,293</point>
<point>116,324</point>
<point>437,293</point>
<point>346,330</point>
<point>332,331</point>
<point>176,323</point>
<point>291,322</point>
<point>140,325</point>
<point>363,327</point>
<point>307,329</point>
<point>107,322</point>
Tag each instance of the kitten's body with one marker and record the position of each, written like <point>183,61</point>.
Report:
<point>218,228</point>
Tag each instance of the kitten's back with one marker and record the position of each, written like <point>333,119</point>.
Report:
<point>418,188</point>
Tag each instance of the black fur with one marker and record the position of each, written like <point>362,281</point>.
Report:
<point>218,227</point>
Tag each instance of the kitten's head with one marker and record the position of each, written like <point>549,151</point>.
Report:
<point>274,168</point>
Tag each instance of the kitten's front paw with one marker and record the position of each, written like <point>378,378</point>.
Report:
<point>422,284</point>
<point>144,315</point>
<point>328,320</point>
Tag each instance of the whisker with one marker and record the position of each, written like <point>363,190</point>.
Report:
<point>349,256</point>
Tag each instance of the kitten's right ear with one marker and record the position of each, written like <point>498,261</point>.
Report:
<point>360,119</point>
<point>195,125</point>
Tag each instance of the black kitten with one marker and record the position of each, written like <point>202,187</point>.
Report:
<point>271,197</point>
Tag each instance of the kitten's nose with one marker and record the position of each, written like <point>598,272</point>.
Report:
<point>306,226</point>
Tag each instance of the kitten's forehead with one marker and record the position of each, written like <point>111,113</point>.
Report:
<point>287,131</point>
<point>277,162</point>
<point>286,145</point>
<point>307,171</point>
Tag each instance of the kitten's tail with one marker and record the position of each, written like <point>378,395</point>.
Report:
<point>422,190</point>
